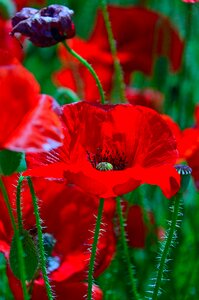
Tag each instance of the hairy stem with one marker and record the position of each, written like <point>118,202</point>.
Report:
<point>18,203</point>
<point>94,248</point>
<point>89,67</point>
<point>167,246</point>
<point>20,253</point>
<point>112,43</point>
<point>134,291</point>
<point>40,241</point>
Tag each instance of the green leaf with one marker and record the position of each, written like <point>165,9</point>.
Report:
<point>30,256</point>
<point>9,161</point>
<point>7,9</point>
<point>65,96</point>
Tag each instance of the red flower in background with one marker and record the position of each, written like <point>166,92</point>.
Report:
<point>69,217</point>
<point>25,3</point>
<point>136,227</point>
<point>145,97</point>
<point>75,76</point>
<point>7,42</point>
<point>187,144</point>
<point>138,44</point>
<point>190,1</point>
<point>132,142</point>
<point>28,119</point>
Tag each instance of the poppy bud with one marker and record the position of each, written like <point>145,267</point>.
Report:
<point>45,27</point>
<point>185,174</point>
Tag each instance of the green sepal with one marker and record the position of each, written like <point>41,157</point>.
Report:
<point>9,161</point>
<point>66,96</point>
<point>31,259</point>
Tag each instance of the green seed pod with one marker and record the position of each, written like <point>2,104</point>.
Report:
<point>104,166</point>
<point>31,259</point>
<point>185,174</point>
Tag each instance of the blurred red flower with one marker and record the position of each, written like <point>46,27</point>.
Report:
<point>134,140</point>
<point>25,3</point>
<point>138,44</point>
<point>190,1</point>
<point>9,43</point>
<point>187,144</point>
<point>69,219</point>
<point>146,97</point>
<point>28,119</point>
<point>136,227</point>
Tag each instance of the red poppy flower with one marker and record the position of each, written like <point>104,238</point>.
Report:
<point>35,126</point>
<point>138,45</point>
<point>138,42</point>
<point>69,217</point>
<point>146,97</point>
<point>187,144</point>
<point>7,42</point>
<point>132,142</point>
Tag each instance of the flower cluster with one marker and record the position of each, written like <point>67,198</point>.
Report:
<point>88,167</point>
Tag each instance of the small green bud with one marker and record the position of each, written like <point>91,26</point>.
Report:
<point>185,174</point>
<point>104,166</point>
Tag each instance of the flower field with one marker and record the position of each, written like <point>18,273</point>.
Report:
<point>99,150</point>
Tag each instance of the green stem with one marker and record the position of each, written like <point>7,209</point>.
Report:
<point>94,249</point>
<point>40,240</point>
<point>20,252</point>
<point>135,294</point>
<point>18,203</point>
<point>89,67</point>
<point>112,43</point>
<point>169,240</point>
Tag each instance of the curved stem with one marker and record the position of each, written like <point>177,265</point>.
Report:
<point>167,246</point>
<point>135,294</point>
<point>20,252</point>
<point>89,67</point>
<point>18,203</point>
<point>94,249</point>
<point>40,240</point>
<point>117,66</point>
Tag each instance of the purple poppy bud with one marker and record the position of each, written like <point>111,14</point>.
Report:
<point>45,27</point>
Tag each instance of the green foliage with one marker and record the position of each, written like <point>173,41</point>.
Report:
<point>30,256</point>
<point>9,161</point>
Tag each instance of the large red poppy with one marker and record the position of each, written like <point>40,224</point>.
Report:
<point>135,142</point>
<point>69,217</point>
<point>138,45</point>
<point>28,119</point>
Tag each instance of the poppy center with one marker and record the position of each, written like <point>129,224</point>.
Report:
<point>107,160</point>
